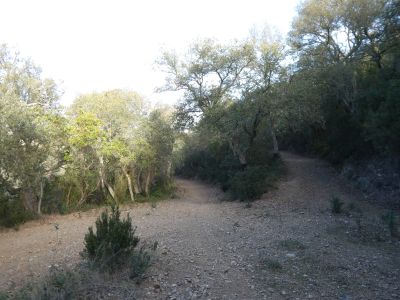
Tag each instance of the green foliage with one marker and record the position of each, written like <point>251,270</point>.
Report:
<point>31,136</point>
<point>336,205</point>
<point>249,184</point>
<point>13,213</point>
<point>291,245</point>
<point>58,284</point>
<point>271,264</point>
<point>392,223</point>
<point>141,260</point>
<point>354,83</point>
<point>217,164</point>
<point>113,241</point>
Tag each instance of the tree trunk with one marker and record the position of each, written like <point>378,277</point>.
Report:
<point>147,183</point>
<point>101,172</point>
<point>128,178</point>
<point>104,181</point>
<point>29,199</point>
<point>40,198</point>
<point>275,146</point>
<point>239,153</point>
<point>169,170</point>
<point>83,195</point>
<point>136,183</point>
<point>110,190</point>
<point>68,195</point>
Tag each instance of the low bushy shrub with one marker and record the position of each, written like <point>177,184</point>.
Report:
<point>391,221</point>
<point>218,165</point>
<point>113,241</point>
<point>141,260</point>
<point>249,184</point>
<point>13,212</point>
<point>336,205</point>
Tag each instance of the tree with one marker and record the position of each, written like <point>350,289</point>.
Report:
<point>209,74</point>
<point>31,146</point>
<point>132,147</point>
<point>229,88</point>
<point>346,57</point>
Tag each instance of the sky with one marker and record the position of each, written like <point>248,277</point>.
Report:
<point>92,46</point>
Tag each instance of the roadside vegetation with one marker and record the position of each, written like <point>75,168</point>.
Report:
<point>330,89</point>
<point>106,148</point>
<point>110,248</point>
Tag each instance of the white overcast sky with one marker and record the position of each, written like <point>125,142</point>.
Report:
<point>98,45</point>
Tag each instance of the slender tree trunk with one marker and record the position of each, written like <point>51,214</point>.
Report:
<point>239,153</point>
<point>110,190</point>
<point>169,169</point>
<point>137,183</point>
<point>147,183</point>
<point>103,180</point>
<point>83,195</point>
<point>128,179</point>
<point>40,198</point>
<point>29,199</point>
<point>275,146</point>
<point>68,195</point>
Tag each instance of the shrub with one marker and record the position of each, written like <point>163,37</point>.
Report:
<point>390,219</point>
<point>291,245</point>
<point>249,184</point>
<point>113,242</point>
<point>216,163</point>
<point>271,264</point>
<point>141,260</point>
<point>13,213</point>
<point>58,284</point>
<point>336,205</point>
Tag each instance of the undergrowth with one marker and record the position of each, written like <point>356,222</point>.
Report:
<point>336,205</point>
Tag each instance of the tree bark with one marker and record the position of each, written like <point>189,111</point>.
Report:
<point>136,183</point>
<point>128,178</point>
<point>275,146</point>
<point>103,180</point>
<point>239,153</point>
<point>147,183</point>
<point>68,195</point>
<point>29,198</point>
<point>39,211</point>
<point>110,190</point>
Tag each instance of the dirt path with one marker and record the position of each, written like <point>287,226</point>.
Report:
<point>287,245</point>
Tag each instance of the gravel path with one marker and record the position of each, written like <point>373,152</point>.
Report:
<point>287,245</point>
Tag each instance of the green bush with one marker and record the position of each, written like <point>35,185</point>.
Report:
<point>13,213</point>
<point>217,164</point>
<point>249,184</point>
<point>58,284</point>
<point>336,205</point>
<point>390,220</point>
<point>140,260</point>
<point>292,245</point>
<point>271,264</point>
<point>113,242</point>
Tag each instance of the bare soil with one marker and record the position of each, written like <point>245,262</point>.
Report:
<point>287,245</point>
